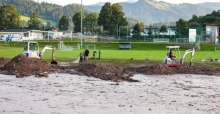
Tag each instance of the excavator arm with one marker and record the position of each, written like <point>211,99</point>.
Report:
<point>53,53</point>
<point>185,53</point>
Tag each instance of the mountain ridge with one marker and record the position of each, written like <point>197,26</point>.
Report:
<point>159,11</point>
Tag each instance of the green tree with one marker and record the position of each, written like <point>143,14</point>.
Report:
<point>136,31</point>
<point>182,27</point>
<point>150,31</point>
<point>9,17</point>
<point>90,22</point>
<point>117,18</point>
<point>105,15</point>
<point>194,24</point>
<point>163,28</point>
<point>63,23</point>
<point>34,21</point>
<point>111,17</point>
<point>124,31</point>
<point>142,25</point>
<point>77,21</point>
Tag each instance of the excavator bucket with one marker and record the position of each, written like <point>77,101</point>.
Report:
<point>54,62</point>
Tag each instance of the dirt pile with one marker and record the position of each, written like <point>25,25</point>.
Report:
<point>4,61</point>
<point>105,72</point>
<point>161,69</point>
<point>22,66</point>
<point>158,69</point>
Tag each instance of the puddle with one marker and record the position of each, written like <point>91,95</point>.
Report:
<point>64,63</point>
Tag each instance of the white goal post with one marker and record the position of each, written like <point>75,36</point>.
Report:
<point>62,46</point>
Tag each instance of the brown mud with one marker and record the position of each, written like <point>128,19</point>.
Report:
<point>22,66</point>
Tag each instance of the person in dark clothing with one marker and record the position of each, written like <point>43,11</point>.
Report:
<point>86,54</point>
<point>99,54</point>
<point>171,54</point>
<point>81,57</point>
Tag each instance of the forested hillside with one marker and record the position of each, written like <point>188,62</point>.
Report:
<point>44,9</point>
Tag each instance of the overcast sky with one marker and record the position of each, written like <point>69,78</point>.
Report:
<point>89,2</point>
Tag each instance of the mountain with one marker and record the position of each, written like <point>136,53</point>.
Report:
<point>211,5</point>
<point>151,11</point>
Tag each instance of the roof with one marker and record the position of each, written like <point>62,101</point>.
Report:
<point>16,30</point>
<point>169,47</point>
<point>22,30</point>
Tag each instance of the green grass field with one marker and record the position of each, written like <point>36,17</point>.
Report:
<point>13,49</point>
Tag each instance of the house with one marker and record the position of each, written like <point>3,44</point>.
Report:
<point>155,31</point>
<point>30,34</point>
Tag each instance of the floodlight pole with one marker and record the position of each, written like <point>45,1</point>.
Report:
<point>81,24</point>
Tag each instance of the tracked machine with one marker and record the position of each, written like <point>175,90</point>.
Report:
<point>31,50</point>
<point>174,62</point>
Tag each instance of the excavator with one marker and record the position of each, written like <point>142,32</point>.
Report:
<point>173,62</point>
<point>31,50</point>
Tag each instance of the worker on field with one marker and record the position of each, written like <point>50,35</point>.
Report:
<point>86,54</point>
<point>171,55</point>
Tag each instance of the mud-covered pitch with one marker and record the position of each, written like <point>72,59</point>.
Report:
<point>21,66</point>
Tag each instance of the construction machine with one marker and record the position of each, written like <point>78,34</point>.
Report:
<point>174,62</point>
<point>31,50</point>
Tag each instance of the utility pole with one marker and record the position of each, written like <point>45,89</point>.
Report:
<point>81,24</point>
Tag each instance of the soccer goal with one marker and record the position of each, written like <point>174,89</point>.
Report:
<point>89,46</point>
<point>62,46</point>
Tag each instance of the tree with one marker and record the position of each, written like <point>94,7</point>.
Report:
<point>111,17</point>
<point>150,31</point>
<point>9,17</point>
<point>117,18</point>
<point>34,21</point>
<point>77,21</point>
<point>142,25</point>
<point>124,31</point>
<point>105,15</point>
<point>163,29</point>
<point>90,22</point>
<point>182,27</point>
<point>63,23</point>
<point>136,31</point>
<point>194,24</point>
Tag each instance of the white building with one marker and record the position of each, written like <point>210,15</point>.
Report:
<point>30,34</point>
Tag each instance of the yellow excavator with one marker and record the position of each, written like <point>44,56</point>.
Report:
<point>31,50</point>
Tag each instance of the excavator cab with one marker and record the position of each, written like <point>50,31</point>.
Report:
<point>31,50</point>
<point>172,62</point>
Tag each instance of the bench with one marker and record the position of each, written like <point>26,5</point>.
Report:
<point>105,46</point>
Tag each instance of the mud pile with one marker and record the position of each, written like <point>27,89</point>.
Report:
<point>105,72</point>
<point>161,69</point>
<point>4,61</point>
<point>22,66</point>
<point>158,69</point>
